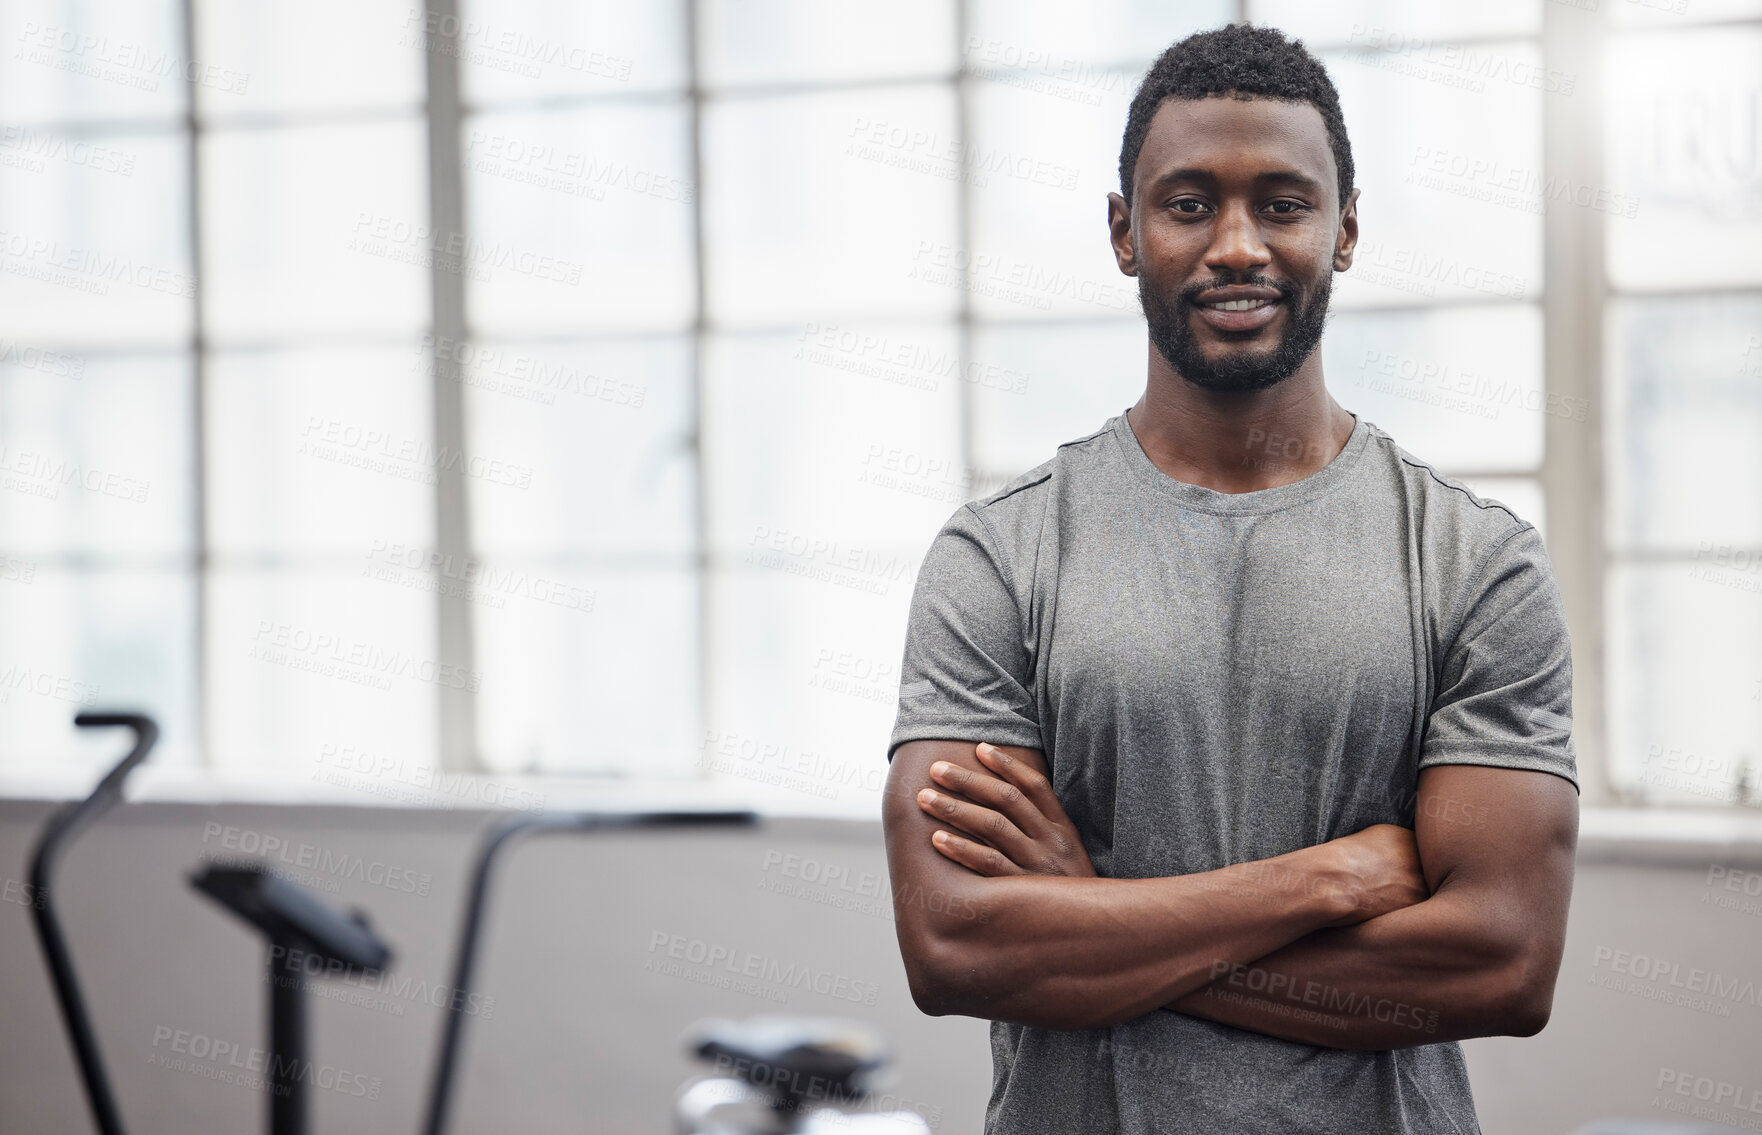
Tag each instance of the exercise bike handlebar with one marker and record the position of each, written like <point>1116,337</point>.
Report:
<point>477,899</point>
<point>61,830</point>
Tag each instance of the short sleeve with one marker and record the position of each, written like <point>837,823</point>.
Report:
<point>966,672</point>
<point>1505,685</point>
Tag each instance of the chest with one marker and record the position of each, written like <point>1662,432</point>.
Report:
<point>1230,692</point>
<point>1220,605</point>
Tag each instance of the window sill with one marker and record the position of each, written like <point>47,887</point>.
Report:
<point>1663,836</point>
<point>463,792</point>
<point>1655,836</point>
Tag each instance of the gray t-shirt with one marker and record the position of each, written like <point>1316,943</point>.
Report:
<point>1217,678</point>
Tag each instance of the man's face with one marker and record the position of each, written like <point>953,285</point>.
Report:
<point>1234,233</point>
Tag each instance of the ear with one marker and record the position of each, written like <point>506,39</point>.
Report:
<point>1347,239</point>
<point>1119,234</point>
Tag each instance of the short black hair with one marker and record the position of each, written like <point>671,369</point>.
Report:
<point>1236,59</point>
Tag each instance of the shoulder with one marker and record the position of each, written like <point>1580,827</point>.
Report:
<point>1451,520</point>
<point>1014,514</point>
<point>1473,550</point>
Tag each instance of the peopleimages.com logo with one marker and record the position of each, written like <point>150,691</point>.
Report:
<point>320,860</point>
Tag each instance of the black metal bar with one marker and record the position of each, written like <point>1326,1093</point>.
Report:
<point>477,900</point>
<point>287,1045</point>
<point>61,830</point>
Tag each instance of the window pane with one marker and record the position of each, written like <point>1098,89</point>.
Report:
<point>1043,44</point>
<point>1683,143</point>
<point>831,204</point>
<point>1040,169</point>
<point>1459,387</point>
<point>580,220</point>
<point>326,451</point>
<point>310,55</point>
<point>300,662</point>
<point>1414,29</point>
<point>511,50</point>
<point>1685,469</point>
<point>598,677</point>
<point>1037,387</point>
<point>73,641</point>
<point>833,450</point>
<point>94,246</point>
<point>94,454</point>
<point>317,230</point>
<point>1685,675</point>
<point>606,427</point>
<point>1676,13</point>
<point>1449,162</point>
<point>784,41</point>
<point>92,59</point>
<point>807,684</point>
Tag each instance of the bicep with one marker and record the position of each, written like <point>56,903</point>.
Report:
<point>1501,839</point>
<point>931,893</point>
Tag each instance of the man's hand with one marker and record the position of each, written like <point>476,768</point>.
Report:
<point>1379,868</point>
<point>1017,824</point>
<point>1477,956</point>
<point>1066,952</point>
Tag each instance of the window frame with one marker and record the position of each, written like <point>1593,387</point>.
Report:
<point>1575,302</point>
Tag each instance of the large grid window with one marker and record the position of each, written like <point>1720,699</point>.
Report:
<point>99,590</point>
<point>1684,432</point>
<point>311,200</point>
<point>573,389</point>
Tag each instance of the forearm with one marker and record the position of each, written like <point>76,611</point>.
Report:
<point>1443,969</point>
<point>1070,953</point>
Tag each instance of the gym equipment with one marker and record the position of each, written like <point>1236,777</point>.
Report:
<point>58,834</point>
<point>299,928</point>
<point>777,1075</point>
<point>293,921</point>
<point>789,1076</point>
<point>477,901</point>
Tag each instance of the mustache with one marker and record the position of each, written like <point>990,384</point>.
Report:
<point>1190,294</point>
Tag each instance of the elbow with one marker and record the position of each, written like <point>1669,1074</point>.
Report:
<point>932,999</point>
<point>941,979</point>
<point>956,977</point>
<point>951,980</point>
<point>1527,997</point>
<point>958,963</point>
<point>924,979</point>
<point>952,963</point>
<point>937,954</point>
<point>1527,1013</point>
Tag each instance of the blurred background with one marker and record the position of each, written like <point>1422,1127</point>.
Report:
<point>431,413</point>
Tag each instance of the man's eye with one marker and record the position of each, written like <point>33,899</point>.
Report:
<point>1287,206</point>
<point>1187,205</point>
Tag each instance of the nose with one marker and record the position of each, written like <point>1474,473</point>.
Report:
<point>1236,248</point>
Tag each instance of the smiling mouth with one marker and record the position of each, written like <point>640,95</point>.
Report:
<point>1238,316</point>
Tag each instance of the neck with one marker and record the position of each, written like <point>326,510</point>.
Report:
<point>1239,442</point>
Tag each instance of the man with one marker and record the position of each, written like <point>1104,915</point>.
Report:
<point>1232,778</point>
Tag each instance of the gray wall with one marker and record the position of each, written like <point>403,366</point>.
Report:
<point>583,1033</point>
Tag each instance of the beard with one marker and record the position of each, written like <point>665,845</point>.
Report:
<point>1171,332</point>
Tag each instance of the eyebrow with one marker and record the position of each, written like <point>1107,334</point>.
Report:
<point>1279,176</point>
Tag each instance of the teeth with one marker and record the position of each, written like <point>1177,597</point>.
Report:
<point>1240,305</point>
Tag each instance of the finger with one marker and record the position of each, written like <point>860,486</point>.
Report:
<point>991,826</point>
<point>974,856</point>
<point>1029,781</point>
<point>992,791</point>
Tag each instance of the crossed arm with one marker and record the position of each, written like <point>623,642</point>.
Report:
<point>1380,939</point>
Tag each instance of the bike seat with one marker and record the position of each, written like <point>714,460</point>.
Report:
<point>795,1058</point>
